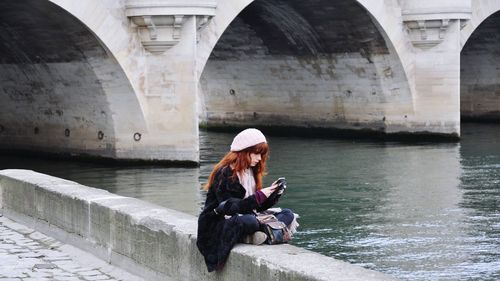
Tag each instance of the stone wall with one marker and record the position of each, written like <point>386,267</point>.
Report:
<point>148,240</point>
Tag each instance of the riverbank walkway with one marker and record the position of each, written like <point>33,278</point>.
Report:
<point>26,254</point>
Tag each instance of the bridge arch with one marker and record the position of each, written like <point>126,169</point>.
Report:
<point>319,64</point>
<point>481,10</point>
<point>63,86</point>
<point>480,64</point>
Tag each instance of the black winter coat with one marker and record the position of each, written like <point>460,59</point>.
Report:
<point>217,235</point>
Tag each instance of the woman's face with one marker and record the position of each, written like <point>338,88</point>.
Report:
<point>254,159</point>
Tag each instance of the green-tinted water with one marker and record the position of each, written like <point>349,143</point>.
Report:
<point>418,212</point>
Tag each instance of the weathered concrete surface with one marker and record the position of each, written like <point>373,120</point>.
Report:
<point>154,242</point>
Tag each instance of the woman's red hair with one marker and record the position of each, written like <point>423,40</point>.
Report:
<point>240,161</point>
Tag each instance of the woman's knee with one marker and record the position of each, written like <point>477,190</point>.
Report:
<point>249,223</point>
<point>286,216</point>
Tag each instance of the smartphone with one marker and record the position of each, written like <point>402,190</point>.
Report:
<point>281,182</point>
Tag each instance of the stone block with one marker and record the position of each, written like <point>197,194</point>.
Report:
<point>17,194</point>
<point>66,205</point>
<point>100,218</point>
<point>135,233</point>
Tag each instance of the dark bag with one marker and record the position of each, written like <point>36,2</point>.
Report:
<point>276,231</point>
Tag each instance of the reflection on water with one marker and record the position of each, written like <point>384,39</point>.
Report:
<point>418,223</point>
<point>418,212</point>
<point>480,183</point>
<point>386,206</point>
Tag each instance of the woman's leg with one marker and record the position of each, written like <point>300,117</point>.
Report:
<point>250,226</point>
<point>249,222</point>
<point>285,216</point>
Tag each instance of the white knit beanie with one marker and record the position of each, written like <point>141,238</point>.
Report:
<point>247,138</point>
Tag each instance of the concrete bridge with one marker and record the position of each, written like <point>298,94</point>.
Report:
<point>133,79</point>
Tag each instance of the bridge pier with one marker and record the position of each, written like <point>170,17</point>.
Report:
<point>170,99</point>
<point>437,85</point>
<point>168,32</point>
<point>434,30</point>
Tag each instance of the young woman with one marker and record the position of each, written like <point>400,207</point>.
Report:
<point>234,199</point>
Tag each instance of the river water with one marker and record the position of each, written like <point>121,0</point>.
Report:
<point>421,211</point>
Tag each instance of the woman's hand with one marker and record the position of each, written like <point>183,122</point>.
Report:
<point>269,190</point>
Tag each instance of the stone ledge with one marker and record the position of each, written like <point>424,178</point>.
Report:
<point>149,240</point>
